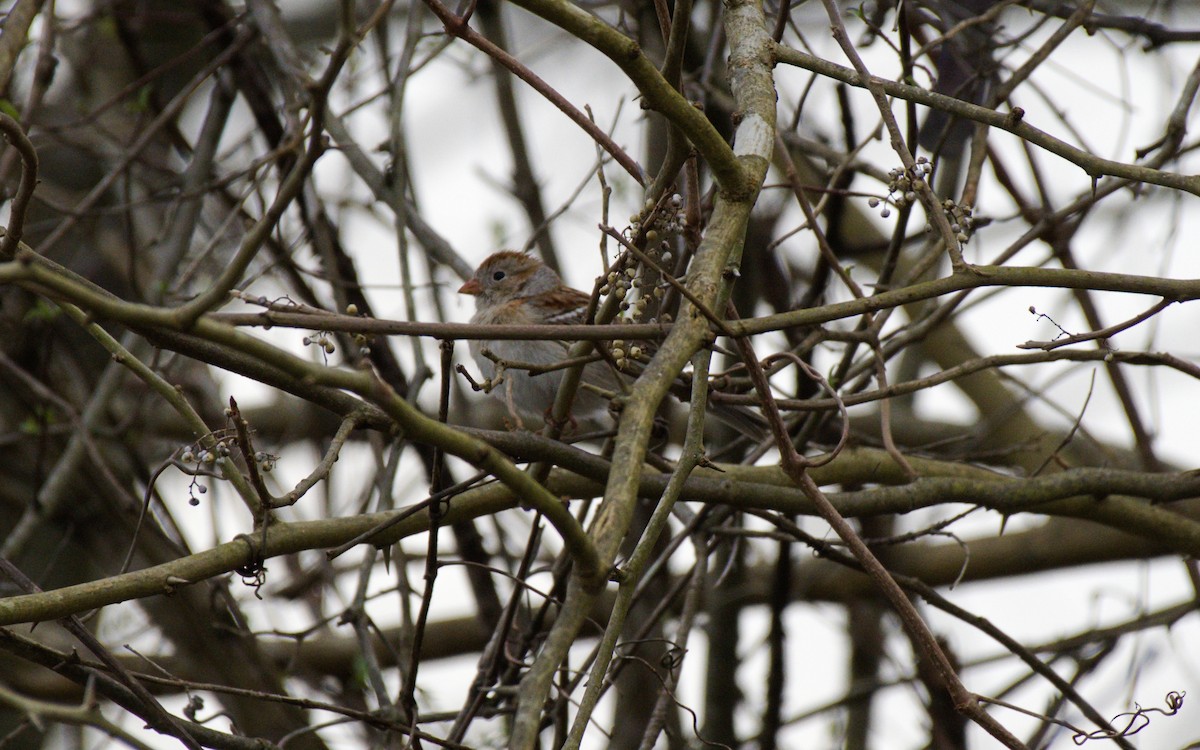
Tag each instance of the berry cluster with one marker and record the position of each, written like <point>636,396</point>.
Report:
<point>322,339</point>
<point>621,355</point>
<point>669,219</point>
<point>660,226</point>
<point>639,287</point>
<point>961,221</point>
<point>903,185</point>
<point>325,342</point>
<point>226,441</point>
<point>360,340</point>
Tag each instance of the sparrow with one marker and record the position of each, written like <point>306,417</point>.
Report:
<point>512,288</point>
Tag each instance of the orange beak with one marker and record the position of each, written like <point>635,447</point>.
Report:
<point>471,287</point>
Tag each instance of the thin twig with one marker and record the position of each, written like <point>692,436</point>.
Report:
<point>29,176</point>
<point>459,28</point>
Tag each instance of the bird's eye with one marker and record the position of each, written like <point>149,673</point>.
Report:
<point>498,276</point>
